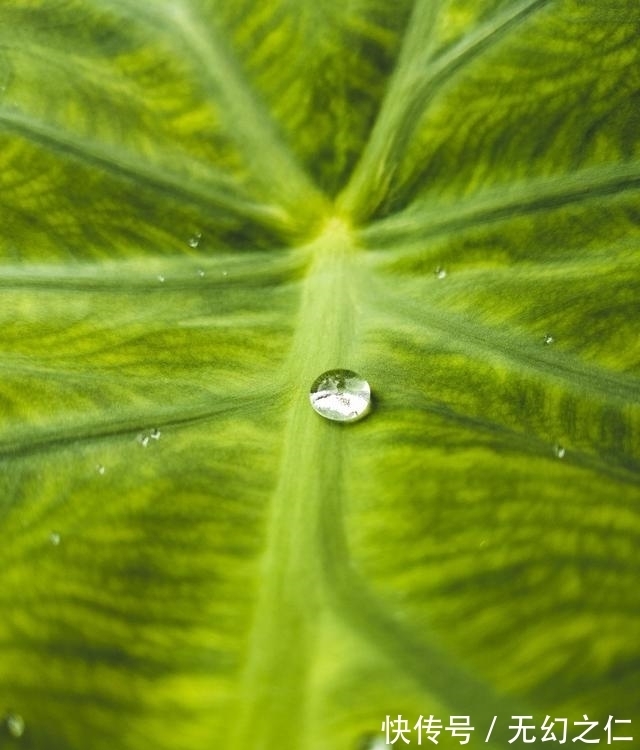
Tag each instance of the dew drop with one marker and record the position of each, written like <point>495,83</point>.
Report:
<point>225,273</point>
<point>194,240</point>
<point>440,273</point>
<point>155,434</point>
<point>143,439</point>
<point>15,725</point>
<point>369,742</point>
<point>559,450</point>
<point>548,338</point>
<point>55,538</point>
<point>200,273</point>
<point>161,278</point>
<point>340,395</point>
<point>100,469</point>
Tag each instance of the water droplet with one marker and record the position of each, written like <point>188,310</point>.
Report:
<point>440,273</point>
<point>369,742</point>
<point>340,395</point>
<point>559,451</point>
<point>548,338</point>
<point>161,278</point>
<point>194,240</point>
<point>225,273</point>
<point>15,725</point>
<point>200,273</point>
<point>145,437</point>
<point>100,469</point>
<point>55,538</point>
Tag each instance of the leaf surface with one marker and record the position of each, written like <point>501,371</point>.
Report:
<point>207,204</point>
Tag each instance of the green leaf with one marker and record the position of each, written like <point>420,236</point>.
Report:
<point>205,205</point>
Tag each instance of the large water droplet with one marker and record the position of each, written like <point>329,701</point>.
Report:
<point>340,395</point>
<point>15,725</point>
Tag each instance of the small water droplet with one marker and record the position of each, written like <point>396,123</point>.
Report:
<point>340,395</point>
<point>194,240</point>
<point>548,338</point>
<point>15,725</point>
<point>483,543</point>
<point>55,538</point>
<point>225,273</point>
<point>161,278</point>
<point>369,742</point>
<point>100,469</point>
<point>143,439</point>
<point>440,273</point>
<point>559,450</point>
<point>200,273</point>
<point>155,434</point>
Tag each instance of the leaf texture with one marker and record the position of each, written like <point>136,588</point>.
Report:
<point>206,204</point>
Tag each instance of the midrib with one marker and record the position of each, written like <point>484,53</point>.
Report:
<point>272,702</point>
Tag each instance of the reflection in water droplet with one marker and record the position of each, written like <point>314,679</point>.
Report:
<point>440,273</point>
<point>143,439</point>
<point>54,538</point>
<point>15,725</point>
<point>155,434</point>
<point>194,240</point>
<point>340,395</point>
<point>548,338</point>
<point>100,469</point>
<point>559,451</point>
<point>200,273</point>
<point>160,278</point>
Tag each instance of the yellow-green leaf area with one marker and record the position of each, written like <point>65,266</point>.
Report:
<point>205,205</point>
